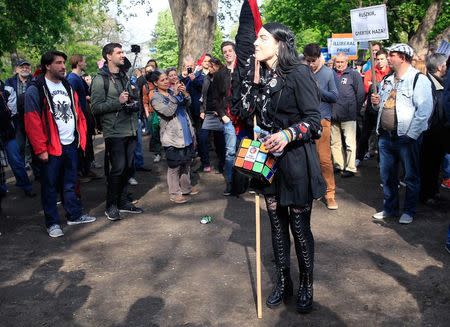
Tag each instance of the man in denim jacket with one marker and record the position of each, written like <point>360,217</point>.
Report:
<point>404,111</point>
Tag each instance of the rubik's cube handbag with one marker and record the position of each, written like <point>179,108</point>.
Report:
<point>253,160</point>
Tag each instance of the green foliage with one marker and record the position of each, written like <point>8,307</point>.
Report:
<point>316,20</point>
<point>165,40</point>
<point>443,21</point>
<point>218,39</point>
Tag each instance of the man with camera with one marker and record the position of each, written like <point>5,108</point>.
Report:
<point>112,99</point>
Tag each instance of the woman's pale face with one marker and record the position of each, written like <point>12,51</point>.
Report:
<point>173,77</point>
<point>266,46</point>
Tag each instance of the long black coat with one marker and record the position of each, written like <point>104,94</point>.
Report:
<point>295,98</point>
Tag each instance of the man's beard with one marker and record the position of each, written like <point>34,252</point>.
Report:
<point>24,75</point>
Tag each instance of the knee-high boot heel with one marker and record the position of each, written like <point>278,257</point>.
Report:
<point>279,220</point>
<point>304,247</point>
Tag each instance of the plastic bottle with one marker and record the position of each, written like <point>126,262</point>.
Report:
<point>262,135</point>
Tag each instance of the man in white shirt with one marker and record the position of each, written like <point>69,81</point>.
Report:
<point>56,127</point>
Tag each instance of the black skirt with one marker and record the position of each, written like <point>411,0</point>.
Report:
<point>298,179</point>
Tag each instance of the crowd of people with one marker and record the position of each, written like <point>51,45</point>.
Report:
<point>327,118</point>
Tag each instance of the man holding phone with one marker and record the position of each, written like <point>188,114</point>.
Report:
<point>111,98</point>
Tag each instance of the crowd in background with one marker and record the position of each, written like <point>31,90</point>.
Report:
<point>185,109</point>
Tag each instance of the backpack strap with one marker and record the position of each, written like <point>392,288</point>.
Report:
<point>415,79</point>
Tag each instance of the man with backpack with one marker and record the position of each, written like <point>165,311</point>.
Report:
<point>405,104</point>
<point>56,128</point>
<point>436,140</point>
<point>111,98</point>
<point>8,103</point>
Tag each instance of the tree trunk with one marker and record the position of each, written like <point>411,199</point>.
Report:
<point>195,22</point>
<point>419,40</point>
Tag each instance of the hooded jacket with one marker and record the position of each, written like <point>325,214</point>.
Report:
<point>115,121</point>
<point>40,124</point>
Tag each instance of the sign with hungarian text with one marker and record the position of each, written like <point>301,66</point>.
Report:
<point>369,23</point>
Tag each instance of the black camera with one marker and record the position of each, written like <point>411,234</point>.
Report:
<point>135,48</point>
<point>130,107</point>
<point>189,70</point>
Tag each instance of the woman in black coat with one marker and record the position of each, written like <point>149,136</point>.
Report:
<point>284,96</point>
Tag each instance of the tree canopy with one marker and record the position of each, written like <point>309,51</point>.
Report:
<point>316,20</point>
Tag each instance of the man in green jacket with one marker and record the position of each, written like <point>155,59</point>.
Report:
<point>112,100</point>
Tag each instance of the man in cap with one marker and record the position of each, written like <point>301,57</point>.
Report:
<point>405,104</point>
<point>19,83</point>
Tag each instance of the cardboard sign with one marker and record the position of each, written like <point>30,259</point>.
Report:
<point>369,23</point>
<point>343,43</point>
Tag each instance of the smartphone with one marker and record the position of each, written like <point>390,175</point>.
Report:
<point>189,70</point>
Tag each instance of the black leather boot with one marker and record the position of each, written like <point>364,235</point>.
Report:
<point>282,290</point>
<point>305,293</point>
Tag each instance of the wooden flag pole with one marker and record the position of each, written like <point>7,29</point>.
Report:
<point>258,246</point>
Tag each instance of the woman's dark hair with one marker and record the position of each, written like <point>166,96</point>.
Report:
<point>152,60</point>
<point>171,69</point>
<point>49,57</point>
<point>153,77</point>
<point>216,61</point>
<point>287,54</point>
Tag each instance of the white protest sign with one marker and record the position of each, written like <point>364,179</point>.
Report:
<point>369,23</point>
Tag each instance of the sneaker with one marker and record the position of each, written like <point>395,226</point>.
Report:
<point>112,213</point>
<point>346,174</point>
<point>207,169</point>
<point>84,219</point>
<point>179,198</point>
<point>405,219</point>
<point>143,169</point>
<point>157,158</point>
<point>84,179</point>
<point>367,156</point>
<point>96,165</point>
<point>357,163</point>
<point>193,191</point>
<point>130,208</point>
<point>331,204</point>
<point>381,215</point>
<point>131,200</point>
<point>446,183</point>
<point>133,181</point>
<point>228,190</point>
<point>93,175</point>
<point>55,231</point>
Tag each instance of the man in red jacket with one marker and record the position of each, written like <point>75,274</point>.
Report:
<point>56,127</point>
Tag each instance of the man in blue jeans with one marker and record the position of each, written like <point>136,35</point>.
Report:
<point>56,127</point>
<point>405,104</point>
<point>9,142</point>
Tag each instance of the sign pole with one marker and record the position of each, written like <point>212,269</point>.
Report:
<point>258,246</point>
<point>372,69</point>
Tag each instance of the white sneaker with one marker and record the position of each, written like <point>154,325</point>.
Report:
<point>381,215</point>
<point>157,158</point>
<point>55,231</point>
<point>133,181</point>
<point>405,219</point>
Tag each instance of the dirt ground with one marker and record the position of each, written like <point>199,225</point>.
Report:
<point>164,268</point>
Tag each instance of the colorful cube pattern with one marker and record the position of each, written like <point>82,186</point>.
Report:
<point>253,158</point>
